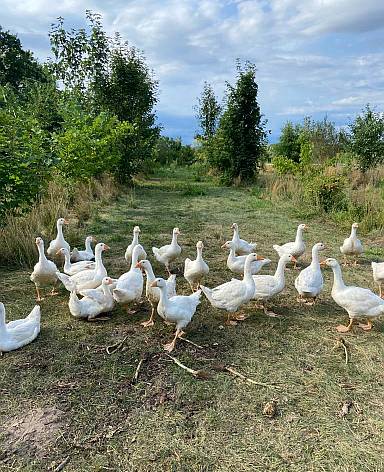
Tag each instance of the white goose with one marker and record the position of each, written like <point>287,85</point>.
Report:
<point>358,302</point>
<point>378,275</point>
<point>135,242</point>
<point>89,278</point>
<point>170,252</point>
<point>75,267</point>
<point>18,333</point>
<point>178,309</point>
<point>129,286</point>
<point>309,282</point>
<point>59,241</point>
<point>295,248</point>
<point>153,293</point>
<point>94,301</point>
<point>241,246</point>
<point>85,255</point>
<point>44,272</point>
<point>268,286</point>
<point>236,263</point>
<point>195,270</point>
<point>231,295</point>
<point>352,246</point>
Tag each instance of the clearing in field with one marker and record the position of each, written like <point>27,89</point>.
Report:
<point>68,401</point>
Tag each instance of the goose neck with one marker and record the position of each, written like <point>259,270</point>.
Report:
<point>315,257</point>
<point>59,227</point>
<point>163,296</point>
<point>150,274</point>
<point>2,316</point>
<point>135,239</point>
<point>88,246</point>
<point>67,260</point>
<point>248,270</point>
<point>353,232</point>
<point>174,239</point>
<point>338,282</point>
<point>299,235</point>
<point>280,270</point>
<point>135,257</point>
<point>199,256</point>
<point>42,257</point>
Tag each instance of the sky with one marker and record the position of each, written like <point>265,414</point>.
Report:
<point>314,57</point>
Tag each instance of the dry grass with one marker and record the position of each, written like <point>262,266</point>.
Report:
<point>167,420</point>
<point>364,196</point>
<point>18,232</point>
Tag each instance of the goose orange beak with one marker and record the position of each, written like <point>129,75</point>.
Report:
<point>260,258</point>
<point>154,284</point>
<point>138,266</point>
<point>66,222</point>
<point>293,259</point>
<point>323,263</point>
<point>58,252</point>
<point>106,248</point>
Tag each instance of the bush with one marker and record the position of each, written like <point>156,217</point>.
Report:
<point>326,191</point>
<point>24,157</point>
<point>283,165</point>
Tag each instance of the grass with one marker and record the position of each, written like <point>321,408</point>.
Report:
<point>167,420</point>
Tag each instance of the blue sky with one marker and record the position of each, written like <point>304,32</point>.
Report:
<point>314,57</point>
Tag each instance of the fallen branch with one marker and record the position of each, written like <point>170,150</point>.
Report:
<point>199,374</point>
<point>136,376</point>
<point>62,464</point>
<point>247,379</point>
<point>341,342</point>
<point>115,347</point>
<point>190,342</point>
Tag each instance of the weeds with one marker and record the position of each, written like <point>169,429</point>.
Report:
<point>18,232</point>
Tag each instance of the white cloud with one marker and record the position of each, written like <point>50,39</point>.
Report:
<point>313,56</point>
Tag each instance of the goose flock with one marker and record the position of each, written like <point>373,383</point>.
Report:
<point>94,293</point>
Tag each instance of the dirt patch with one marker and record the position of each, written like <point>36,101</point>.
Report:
<point>32,433</point>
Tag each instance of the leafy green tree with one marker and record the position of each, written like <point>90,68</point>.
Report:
<point>367,138</point>
<point>109,76</point>
<point>16,64</point>
<point>170,150</point>
<point>80,56</point>
<point>289,143</point>
<point>208,112</point>
<point>326,140</point>
<point>240,141</point>
<point>25,157</point>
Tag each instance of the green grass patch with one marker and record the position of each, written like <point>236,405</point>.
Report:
<point>168,420</point>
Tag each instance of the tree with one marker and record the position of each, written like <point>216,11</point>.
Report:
<point>289,143</point>
<point>208,112</point>
<point>326,140</point>
<point>240,141</point>
<point>16,64</point>
<point>367,138</point>
<point>109,76</point>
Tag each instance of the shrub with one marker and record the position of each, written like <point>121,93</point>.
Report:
<point>283,165</point>
<point>24,158</point>
<point>326,191</point>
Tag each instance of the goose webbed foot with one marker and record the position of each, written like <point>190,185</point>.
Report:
<point>345,329</point>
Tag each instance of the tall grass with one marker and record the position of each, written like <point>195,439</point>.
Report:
<point>78,203</point>
<point>363,195</point>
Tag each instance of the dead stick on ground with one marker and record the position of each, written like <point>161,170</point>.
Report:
<point>136,376</point>
<point>341,342</point>
<point>200,374</point>
<point>116,346</point>
<point>247,379</point>
<point>190,342</point>
<point>62,464</point>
